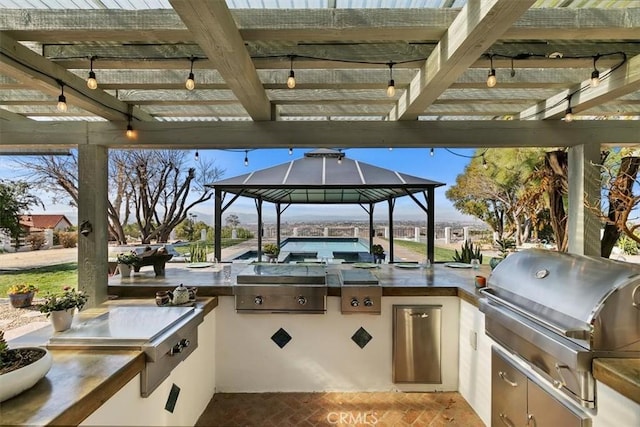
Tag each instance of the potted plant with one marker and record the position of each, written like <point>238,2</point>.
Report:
<point>21,368</point>
<point>60,307</point>
<point>504,247</point>
<point>126,261</point>
<point>21,295</point>
<point>271,250</point>
<point>378,253</point>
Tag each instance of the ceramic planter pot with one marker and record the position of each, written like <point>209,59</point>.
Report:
<point>15,382</point>
<point>61,320</point>
<point>125,270</point>
<point>21,300</point>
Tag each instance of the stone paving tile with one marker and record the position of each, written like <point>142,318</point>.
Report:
<point>339,409</point>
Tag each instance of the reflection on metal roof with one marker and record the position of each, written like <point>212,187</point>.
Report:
<point>325,176</point>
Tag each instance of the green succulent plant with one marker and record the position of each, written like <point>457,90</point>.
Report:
<point>467,253</point>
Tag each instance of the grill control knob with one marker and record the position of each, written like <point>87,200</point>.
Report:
<point>354,302</point>
<point>185,342</point>
<point>368,302</point>
<point>257,300</point>
<point>302,300</point>
<point>176,349</point>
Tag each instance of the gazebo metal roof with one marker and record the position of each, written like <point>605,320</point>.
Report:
<point>325,176</point>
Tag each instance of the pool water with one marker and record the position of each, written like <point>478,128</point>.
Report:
<point>324,247</point>
<point>299,249</point>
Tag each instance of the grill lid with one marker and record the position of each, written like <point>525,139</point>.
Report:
<point>589,299</point>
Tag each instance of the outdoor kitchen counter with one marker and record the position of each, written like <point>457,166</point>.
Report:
<point>622,375</point>
<point>79,381</point>
<point>439,280</point>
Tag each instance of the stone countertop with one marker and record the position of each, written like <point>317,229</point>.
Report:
<point>622,375</point>
<point>395,281</point>
<point>79,381</point>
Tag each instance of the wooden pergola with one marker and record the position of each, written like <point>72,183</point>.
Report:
<point>437,53</point>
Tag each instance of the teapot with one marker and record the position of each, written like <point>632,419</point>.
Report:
<point>179,295</point>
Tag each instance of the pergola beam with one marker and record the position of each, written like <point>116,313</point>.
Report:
<point>22,64</point>
<point>620,82</point>
<point>322,25</point>
<point>478,25</point>
<point>313,134</point>
<point>213,27</point>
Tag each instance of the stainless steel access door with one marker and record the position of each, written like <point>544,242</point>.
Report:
<point>417,344</point>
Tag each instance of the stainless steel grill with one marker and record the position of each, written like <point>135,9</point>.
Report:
<point>557,312</point>
<point>281,288</point>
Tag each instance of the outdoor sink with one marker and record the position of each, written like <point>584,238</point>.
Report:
<point>122,326</point>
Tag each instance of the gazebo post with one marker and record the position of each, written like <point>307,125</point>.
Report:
<point>431,222</point>
<point>259,210</point>
<point>217,225</point>
<point>372,232</point>
<point>278,215</point>
<point>390,201</point>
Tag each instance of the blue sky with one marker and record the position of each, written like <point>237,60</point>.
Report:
<point>443,167</point>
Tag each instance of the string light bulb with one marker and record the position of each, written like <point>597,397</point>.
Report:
<point>62,100</point>
<point>129,132</point>
<point>595,74</point>
<point>291,81</point>
<point>190,84</point>
<point>484,162</point>
<point>290,151</point>
<point>432,152</point>
<point>92,83</point>
<point>391,87</point>
<point>568,115</point>
<point>197,155</point>
<point>340,156</point>
<point>491,79</point>
<point>246,157</point>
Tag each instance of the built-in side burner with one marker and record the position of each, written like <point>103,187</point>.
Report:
<point>361,292</point>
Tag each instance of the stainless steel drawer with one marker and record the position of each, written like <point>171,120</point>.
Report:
<point>508,393</point>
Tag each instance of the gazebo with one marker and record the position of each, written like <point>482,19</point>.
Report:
<point>325,176</point>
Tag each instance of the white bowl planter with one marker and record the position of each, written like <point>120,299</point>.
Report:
<point>15,382</point>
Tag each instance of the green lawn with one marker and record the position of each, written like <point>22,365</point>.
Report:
<point>441,254</point>
<point>47,279</point>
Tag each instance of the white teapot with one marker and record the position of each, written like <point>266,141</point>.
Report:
<point>179,295</point>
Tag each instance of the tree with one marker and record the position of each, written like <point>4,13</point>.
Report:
<point>155,188</point>
<point>491,186</point>
<point>232,220</point>
<point>15,199</point>
<point>619,177</point>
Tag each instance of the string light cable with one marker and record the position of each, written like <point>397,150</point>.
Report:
<point>473,156</point>
<point>521,56</point>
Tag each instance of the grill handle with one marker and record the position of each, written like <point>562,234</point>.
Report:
<point>506,379</point>
<point>580,334</point>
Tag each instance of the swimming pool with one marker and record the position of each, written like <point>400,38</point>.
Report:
<point>299,249</point>
<point>346,248</point>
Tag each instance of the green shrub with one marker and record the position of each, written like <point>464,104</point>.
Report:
<point>628,245</point>
<point>198,252</point>
<point>68,239</point>
<point>35,240</point>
